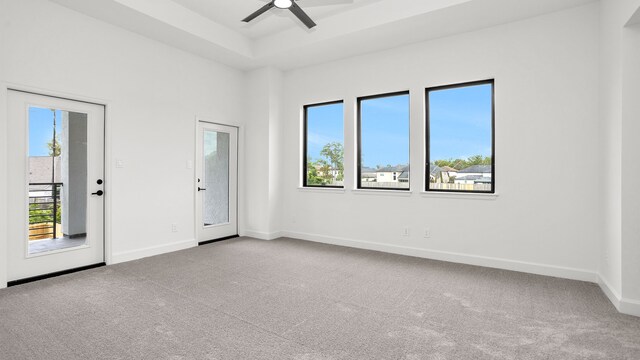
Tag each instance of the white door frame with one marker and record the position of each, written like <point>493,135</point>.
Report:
<point>239,172</point>
<point>5,87</point>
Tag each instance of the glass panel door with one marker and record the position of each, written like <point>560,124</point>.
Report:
<point>215,178</point>
<point>56,188</point>
<point>57,179</point>
<point>216,183</point>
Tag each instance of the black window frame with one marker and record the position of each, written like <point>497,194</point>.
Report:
<point>359,138</point>
<point>305,109</point>
<point>427,170</point>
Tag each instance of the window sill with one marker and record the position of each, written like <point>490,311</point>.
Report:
<point>405,193</point>
<point>453,195</point>
<point>322,190</point>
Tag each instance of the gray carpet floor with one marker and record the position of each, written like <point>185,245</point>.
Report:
<point>291,299</point>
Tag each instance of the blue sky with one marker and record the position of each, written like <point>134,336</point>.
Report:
<point>384,124</point>
<point>41,130</point>
<point>385,129</point>
<point>324,125</point>
<point>460,120</point>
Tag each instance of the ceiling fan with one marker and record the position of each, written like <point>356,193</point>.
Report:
<point>294,8</point>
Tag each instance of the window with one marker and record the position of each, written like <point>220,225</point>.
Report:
<point>383,141</point>
<point>460,138</point>
<point>323,145</point>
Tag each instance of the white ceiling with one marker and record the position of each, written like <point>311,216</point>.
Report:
<point>635,19</point>
<point>230,12</point>
<point>213,28</point>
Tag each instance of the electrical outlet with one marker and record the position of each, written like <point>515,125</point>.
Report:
<point>174,227</point>
<point>189,164</point>
<point>427,233</point>
<point>405,231</point>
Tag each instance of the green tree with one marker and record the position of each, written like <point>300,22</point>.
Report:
<point>325,171</point>
<point>43,213</point>
<point>312,174</point>
<point>58,148</point>
<point>475,160</point>
<point>334,153</point>
<point>460,164</point>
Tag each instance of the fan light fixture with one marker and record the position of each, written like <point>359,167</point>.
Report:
<point>283,4</point>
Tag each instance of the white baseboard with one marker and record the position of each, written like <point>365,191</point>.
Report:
<point>491,262</point>
<point>3,278</point>
<point>624,305</point>
<point>609,291</point>
<point>629,307</point>
<point>262,235</point>
<point>151,251</point>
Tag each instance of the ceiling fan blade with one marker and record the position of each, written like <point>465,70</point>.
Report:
<point>307,3</point>
<point>260,11</point>
<point>300,14</point>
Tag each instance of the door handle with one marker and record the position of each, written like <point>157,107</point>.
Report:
<point>201,189</point>
<point>99,193</point>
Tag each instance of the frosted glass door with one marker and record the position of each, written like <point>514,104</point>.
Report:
<point>215,178</point>
<point>216,181</point>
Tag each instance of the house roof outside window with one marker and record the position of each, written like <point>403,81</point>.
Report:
<point>476,169</point>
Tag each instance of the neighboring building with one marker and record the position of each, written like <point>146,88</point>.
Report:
<point>403,173</point>
<point>484,170</point>
<point>451,172</point>
<point>404,176</point>
<point>40,172</point>
<point>368,174</point>
<point>40,169</point>
<point>334,172</point>
<point>473,179</point>
<point>438,174</point>
<point>390,173</point>
<point>476,174</point>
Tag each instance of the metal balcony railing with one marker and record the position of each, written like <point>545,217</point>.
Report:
<point>44,210</point>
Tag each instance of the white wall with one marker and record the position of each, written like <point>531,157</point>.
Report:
<point>545,70</point>
<point>257,153</point>
<point>275,152</point>
<point>631,169</point>
<point>619,221</point>
<point>153,94</point>
<point>3,162</point>
<point>262,153</point>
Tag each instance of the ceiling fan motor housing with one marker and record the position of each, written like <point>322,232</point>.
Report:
<point>284,4</point>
